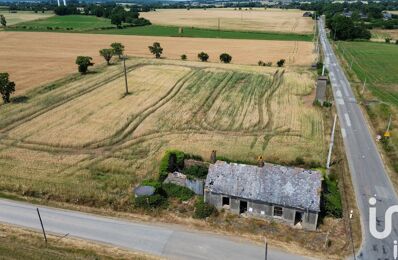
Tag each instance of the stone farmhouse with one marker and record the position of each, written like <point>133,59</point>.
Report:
<point>291,195</point>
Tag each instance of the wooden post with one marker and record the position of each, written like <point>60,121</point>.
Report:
<point>42,227</point>
<point>125,75</point>
<point>266,249</point>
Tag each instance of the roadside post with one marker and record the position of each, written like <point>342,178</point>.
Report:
<point>42,227</point>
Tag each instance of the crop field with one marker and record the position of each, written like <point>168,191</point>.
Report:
<point>381,35</point>
<point>23,16</point>
<point>82,140</point>
<point>269,20</point>
<point>377,63</point>
<point>49,56</point>
<point>77,22</point>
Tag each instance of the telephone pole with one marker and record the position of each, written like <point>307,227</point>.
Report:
<point>42,226</point>
<point>125,74</point>
<point>331,143</point>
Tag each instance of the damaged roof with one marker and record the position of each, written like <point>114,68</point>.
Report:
<point>275,184</point>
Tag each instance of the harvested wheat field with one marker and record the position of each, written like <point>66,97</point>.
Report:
<point>82,140</point>
<point>49,56</point>
<point>258,19</point>
<point>24,16</point>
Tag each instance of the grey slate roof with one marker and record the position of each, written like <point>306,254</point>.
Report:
<point>275,184</point>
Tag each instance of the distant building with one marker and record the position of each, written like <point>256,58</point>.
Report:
<point>347,14</point>
<point>289,194</point>
<point>387,16</point>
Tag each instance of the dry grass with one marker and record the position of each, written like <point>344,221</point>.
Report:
<point>39,58</point>
<point>271,20</point>
<point>380,35</point>
<point>17,243</point>
<point>23,16</point>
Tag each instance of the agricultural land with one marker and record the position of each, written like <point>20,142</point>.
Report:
<point>376,63</point>
<point>24,16</point>
<point>258,19</point>
<point>50,56</point>
<point>99,25</point>
<point>81,140</point>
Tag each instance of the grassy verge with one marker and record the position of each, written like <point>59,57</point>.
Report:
<point>17,243</point>
<point>92,24</point>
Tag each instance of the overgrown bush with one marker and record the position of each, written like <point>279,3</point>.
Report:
<point>196,171</point>
<point>175,191</point>
<point>172,160</point>
<point>332,198</point>
<point>150,202</point>
<point>202,209</point>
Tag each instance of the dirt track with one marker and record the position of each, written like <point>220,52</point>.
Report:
<point>34,58</point>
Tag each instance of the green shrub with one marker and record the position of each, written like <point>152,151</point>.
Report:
<point>332,198</point>
<point>150,202</point>
<point>196,171</point>
<point>175,191</point>
<point>299,161</point>
<point>202,209</point>
<point>166,164</point>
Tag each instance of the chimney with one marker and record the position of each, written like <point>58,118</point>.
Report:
<point>260,161</point>
<point>213,156</point>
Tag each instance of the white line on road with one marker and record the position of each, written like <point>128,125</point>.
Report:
<point>343,132</point>
<point>347,119</point>
<point>340,101</point>
<point>338,94</point>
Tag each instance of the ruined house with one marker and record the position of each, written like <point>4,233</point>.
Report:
<point>321,86</point>
<point>289,194</point>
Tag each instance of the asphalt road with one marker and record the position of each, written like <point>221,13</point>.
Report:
<point>168,241</point>
<point>369,176</point>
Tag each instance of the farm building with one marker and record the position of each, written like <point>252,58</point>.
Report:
<point>291,195</point>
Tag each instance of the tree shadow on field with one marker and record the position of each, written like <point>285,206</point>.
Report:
<point>19,99</point>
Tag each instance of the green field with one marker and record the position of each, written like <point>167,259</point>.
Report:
<point>377,63</point>
<point>92,24</point>
<point>77,22</point>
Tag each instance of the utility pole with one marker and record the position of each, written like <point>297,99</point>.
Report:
<point>331,143</point>
<point>323,70</point>
<point>125,74</point>
<point>266,249</point>
<point>363,87</point>
<point>387,133</point>
<point>42,227</point>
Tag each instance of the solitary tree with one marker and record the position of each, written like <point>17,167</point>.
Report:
<point>203,56</point>
<point>83,63</point>
<point>117,19</point>
<point>118,49</point>
<point>225,57</point>
<point>281,62</point>
<point>7,87</point>
<point>184,57</point>
<point>3,20</point>
<point>107,54</point>
<point>156,50</point>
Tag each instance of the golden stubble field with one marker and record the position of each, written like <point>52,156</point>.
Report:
<point>24,16</point>
<point>81,140</point>
<point>257,19</point>
<point>34,58</point>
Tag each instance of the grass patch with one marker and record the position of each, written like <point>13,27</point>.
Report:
<point>175,191</point>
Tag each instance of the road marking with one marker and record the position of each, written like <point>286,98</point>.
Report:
<point>338,94</point>
<point>343,132</point>
<point>340,101</point>
<point>347,119</point>
<point>344,87</point>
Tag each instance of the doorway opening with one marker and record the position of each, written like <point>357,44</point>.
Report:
<point>242,207</point>
<point>298,218</point>
<point>225,201</point>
